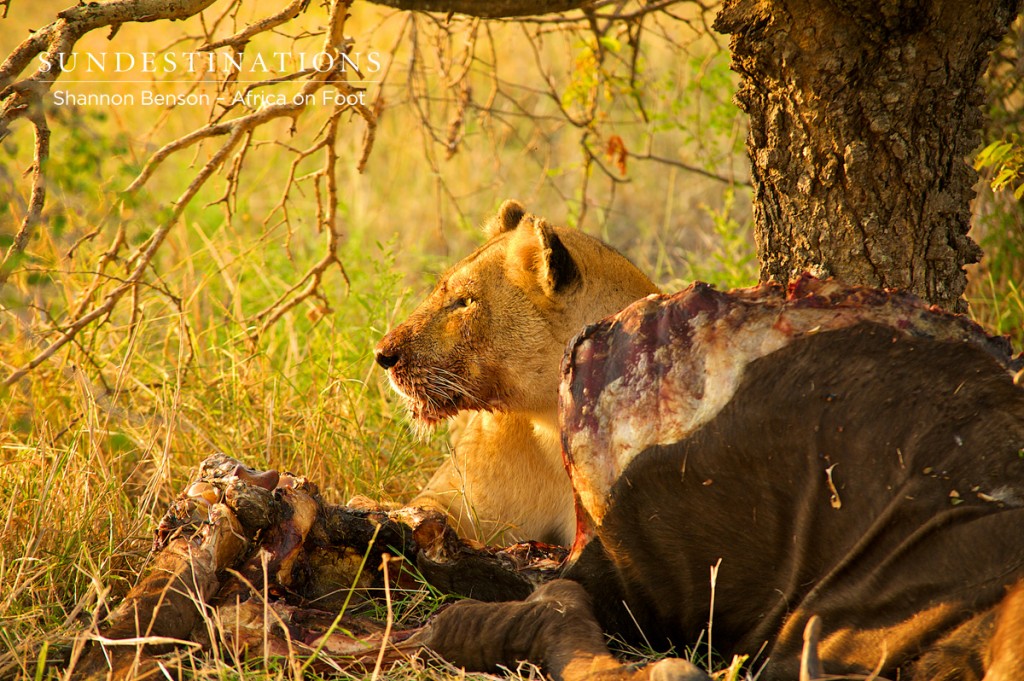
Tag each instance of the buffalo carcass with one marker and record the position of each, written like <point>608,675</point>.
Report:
<point>846,457</point>
<point>255,563</point>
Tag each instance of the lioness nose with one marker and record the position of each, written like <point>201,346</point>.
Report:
<point>385,360</point>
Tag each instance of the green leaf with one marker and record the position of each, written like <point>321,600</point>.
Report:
<point>994,154</point>
<point>1003,178</point>
<point>41,661</point>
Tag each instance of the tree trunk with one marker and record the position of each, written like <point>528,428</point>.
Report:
<point>862,118</point>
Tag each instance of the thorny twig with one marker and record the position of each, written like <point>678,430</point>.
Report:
<point>311,280</point>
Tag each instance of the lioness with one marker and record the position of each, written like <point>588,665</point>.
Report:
<point>488,340</point>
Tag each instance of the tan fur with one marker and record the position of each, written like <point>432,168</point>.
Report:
<point>489,340</point>
<point>1005,658</point>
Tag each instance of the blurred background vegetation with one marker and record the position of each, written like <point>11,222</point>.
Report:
<point>635,141</point>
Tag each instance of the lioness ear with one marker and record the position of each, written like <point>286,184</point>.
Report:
<point>508,218</point>
<point>556,270</point>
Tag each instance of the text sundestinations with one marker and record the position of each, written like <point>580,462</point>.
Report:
<point>198,62</point>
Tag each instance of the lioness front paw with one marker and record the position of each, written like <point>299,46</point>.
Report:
<point>364,503</point>
<point>675,669</point>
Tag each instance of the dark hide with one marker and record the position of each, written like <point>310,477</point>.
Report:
<point>842,453</point>
<point>555,628</point>
<point>919,540</point>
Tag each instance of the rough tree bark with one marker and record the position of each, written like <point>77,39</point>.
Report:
<point>862,116</point>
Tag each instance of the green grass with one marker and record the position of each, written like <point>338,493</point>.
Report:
<point>995,286</point>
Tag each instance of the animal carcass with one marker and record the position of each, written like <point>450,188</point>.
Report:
<point>843,454</point>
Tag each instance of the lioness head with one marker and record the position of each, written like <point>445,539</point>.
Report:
<point>491,334</point>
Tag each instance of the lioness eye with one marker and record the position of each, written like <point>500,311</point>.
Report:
<point>458,303</point>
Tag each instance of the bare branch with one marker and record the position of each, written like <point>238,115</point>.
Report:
<point>314,276</point>
<point>240,38</point>
<point>492,9</point>
<point>689,168</point>
<point>309,285</point>
<point>34,215</point>
<point>184,142</point>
